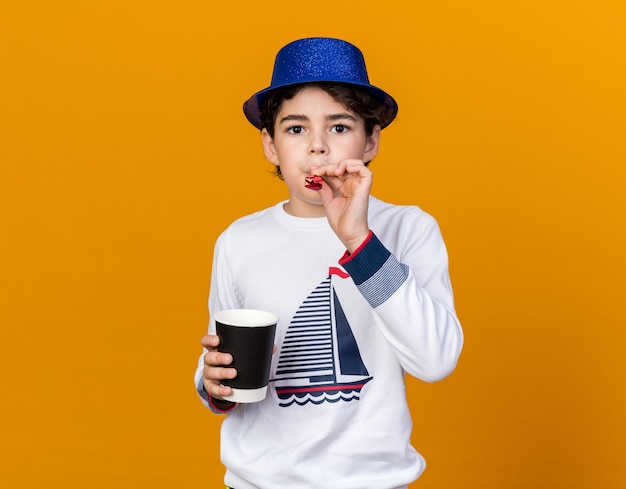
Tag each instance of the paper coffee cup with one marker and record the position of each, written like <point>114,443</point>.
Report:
<point>248,335</point>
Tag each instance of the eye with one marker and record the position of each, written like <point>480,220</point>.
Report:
<point>295,130</point>
<point>340,128</point>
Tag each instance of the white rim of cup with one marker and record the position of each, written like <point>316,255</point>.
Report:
<point>246,317</point>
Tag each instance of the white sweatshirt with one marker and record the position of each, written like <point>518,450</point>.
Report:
<point>350,327</point>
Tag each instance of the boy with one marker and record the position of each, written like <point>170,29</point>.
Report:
<point>361,288</point>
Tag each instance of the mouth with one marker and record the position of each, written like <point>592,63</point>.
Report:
<point>313,182</point>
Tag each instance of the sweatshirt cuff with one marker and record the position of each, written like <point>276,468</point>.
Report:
<point>375,271</point>
<point>219,410</point>
<point>366,260</point>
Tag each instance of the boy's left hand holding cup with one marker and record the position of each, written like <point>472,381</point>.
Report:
<point>216,369</point>
<point>239,356</point>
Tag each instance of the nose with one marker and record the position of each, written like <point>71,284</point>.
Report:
<point>317,145</point>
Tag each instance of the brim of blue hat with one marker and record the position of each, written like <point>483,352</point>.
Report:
<point>251,107</point>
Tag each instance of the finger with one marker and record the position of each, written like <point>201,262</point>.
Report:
<point>217,374</point>
<point>340,168</point>
<point>327,193</point>
<point>332,171</point>
<point>210,342</point>
<point>214,358</point>
<point>214,375</point>
<point>356,167</point>
<point>349,165</point>
<point>323,170</point>
<point>216,390</point>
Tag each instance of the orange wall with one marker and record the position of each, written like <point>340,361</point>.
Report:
<point>123,154</point>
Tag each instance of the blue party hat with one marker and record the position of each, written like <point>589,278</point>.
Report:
<point>319,59</point>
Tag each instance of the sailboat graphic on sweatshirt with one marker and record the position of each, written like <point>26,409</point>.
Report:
<point>319,360</point>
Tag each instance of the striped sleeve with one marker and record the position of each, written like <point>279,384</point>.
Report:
<point>375,271</point>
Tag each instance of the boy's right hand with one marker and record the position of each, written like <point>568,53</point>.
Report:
<point>215,368</point>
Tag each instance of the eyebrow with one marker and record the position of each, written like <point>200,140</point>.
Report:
<point>331,117</point>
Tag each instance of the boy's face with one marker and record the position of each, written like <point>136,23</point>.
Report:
<point>313,129</point>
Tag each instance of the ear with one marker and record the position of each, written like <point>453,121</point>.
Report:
<point>371,145</point>
<point>268,147</point>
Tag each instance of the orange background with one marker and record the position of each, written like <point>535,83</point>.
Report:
<point>124,152</point>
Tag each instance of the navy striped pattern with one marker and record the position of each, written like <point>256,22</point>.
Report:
<point>375,271</point>
<point>382,285</point>
<point>308,347</point>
